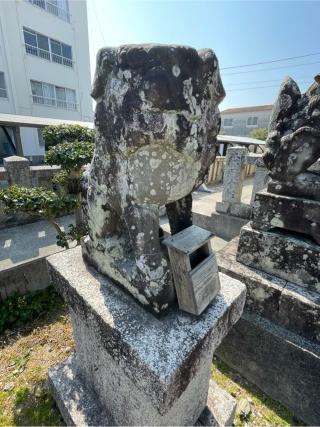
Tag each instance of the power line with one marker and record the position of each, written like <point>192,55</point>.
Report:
<point>274,68</point>
<point>257,87</point>
<point>264,81</point>
<point>270,62</point>
<point>98,22</point>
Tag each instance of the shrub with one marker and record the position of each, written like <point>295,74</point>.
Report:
<point>259,133</point>
<point>71,156</point>
<point>17,310</point>
<point>54,135</point>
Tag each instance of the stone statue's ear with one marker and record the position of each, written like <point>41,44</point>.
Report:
<point>288,95</point>
<point>209,60</point>
<point>105,60</point>
<point>211,68</point>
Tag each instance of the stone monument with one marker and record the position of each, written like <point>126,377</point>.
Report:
<point>284,235</point>
<point>276,344</point>
<point>156,119</point>
<point>140,360</point>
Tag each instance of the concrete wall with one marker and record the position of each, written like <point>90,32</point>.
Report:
<point>239,122</point>
<point>20,68</point>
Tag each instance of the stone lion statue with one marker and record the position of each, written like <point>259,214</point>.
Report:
<point>293,143</point>
<point>156,122</point>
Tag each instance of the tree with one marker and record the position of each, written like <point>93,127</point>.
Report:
<point>72,157</point>
<point>260,133</point>
<point>58,134</point>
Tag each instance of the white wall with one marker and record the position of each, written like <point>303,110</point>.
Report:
<point>20,68</point>
<point>239,122</point>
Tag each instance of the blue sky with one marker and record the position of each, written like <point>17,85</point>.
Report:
<point>240,32</point>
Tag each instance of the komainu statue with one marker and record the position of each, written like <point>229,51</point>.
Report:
<point>156,120</point>
<point>294,141</point>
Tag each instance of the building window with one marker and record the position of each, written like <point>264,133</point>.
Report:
<point>53,96</point>
<point>60,8</point>
<point>46,48</point>
<point>252,121</point>
<point>3,90</point>
<point>227,122</point>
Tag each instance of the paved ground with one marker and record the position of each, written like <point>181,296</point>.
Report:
<point>23,243</point>
<point>205,203</point>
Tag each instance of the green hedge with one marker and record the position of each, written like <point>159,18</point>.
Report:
<point>17,310</point>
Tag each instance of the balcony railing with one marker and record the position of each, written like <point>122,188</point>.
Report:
<point>54,102</point>
<point>3,93</point>
<point>52,8</point>
<point>49,56</point>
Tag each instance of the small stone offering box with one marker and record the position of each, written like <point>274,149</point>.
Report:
<point>194,268</point>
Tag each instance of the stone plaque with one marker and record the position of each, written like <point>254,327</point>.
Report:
<point>194,268</point>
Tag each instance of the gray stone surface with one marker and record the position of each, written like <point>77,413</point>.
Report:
<point>234,173</point>
<point>24,277</point>
<point>239,210</point>
<point>78,403</point>
<point>286,256</point>
<point>260,181</point>
<point>282,364</point>
<point>288,213</point>
<point>225,226</point>
<point>147,370</point>
<point>80,406</point>
<point>18,170</point>
<point>221,407</point>
<point>156,120</point>
<point>284,303</point>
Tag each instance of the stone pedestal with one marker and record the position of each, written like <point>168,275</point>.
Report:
<point>292,258</point>
<point>276,343</point>
<point>286,212</point>
<point>283,238</point>
<point>138,369</point>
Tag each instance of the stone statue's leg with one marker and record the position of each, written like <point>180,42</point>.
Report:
<point>143,229</point>
<point>180,214</point>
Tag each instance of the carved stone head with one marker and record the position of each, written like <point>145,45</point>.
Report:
<point>293,141</point>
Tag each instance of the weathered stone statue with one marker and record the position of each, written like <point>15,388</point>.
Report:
<point>156,119</point>
<point>285,234</point>
<point>294,141</point>
<point>276,344</point>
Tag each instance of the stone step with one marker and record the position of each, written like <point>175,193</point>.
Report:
<point>281,363</point>
<point>79,406</point>
<point>284,303</point>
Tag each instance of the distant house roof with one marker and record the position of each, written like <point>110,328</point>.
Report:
<point>248,109</point>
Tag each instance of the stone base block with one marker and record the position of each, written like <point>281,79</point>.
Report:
<point>224,226</point>
<point>306,185</point>
<point>288,305</point>
<point>144,370</point>
<point>280,363</point>
<point>286,212</point>
<point>79,406</point>
<point>291,258</point>
<point>240,210</point>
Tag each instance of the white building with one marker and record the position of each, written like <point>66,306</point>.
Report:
<point>44,65</point>
<point>241,121</point>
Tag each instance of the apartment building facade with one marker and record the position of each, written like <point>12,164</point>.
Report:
<point>241,121</point>
<point>44,65</point>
